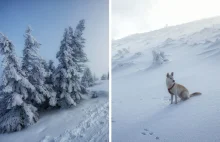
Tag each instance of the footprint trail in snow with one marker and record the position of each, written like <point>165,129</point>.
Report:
<point>146,131</point>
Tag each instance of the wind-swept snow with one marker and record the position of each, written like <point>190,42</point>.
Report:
<point>141,107</point>
<point>87,122</point>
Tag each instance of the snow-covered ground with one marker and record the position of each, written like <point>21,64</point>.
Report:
<point>141,107</point>
<point>87,122</point>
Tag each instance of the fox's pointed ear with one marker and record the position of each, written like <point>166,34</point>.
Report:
<point>172,73</point>
<point>167,74</point>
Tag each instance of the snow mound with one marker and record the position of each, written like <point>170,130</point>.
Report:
<point>214,44</point>
<point>122,66</point>
<point>136,55</point>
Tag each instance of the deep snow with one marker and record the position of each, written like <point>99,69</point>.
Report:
<point>87,122</point>
<point>141,107</point>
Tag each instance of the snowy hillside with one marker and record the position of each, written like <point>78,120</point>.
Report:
<point>141,107</point>
<point>85,122</point>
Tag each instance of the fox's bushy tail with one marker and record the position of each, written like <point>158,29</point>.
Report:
<point>195,94</point>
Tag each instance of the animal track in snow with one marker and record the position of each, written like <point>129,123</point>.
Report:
<point>150,133</point>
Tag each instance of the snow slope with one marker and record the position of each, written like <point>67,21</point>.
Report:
<point>87,122</point>
<point>141,107</point>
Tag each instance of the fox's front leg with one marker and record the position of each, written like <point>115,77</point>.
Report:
<point>171,99</point>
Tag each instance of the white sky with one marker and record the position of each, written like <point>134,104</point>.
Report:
<point>134,16</point>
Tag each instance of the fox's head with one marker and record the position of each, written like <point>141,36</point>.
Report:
<point>170,80</point>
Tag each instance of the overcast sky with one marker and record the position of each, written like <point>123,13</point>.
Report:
<point>134,16</point>
<point>49,18</point>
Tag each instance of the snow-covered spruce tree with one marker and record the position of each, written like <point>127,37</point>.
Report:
<point>66,76</point>
<point>78,44</point>
<point>34,67</point>
<point>87,78</point>
<point>95,78</point>
<point>104,77</point>
<point>158,57</point>
<point>15,111</point>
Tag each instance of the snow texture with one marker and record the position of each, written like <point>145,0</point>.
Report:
<point>141,106</point>
<point>87,122</point>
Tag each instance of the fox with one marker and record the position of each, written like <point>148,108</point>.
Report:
<point>177,89</point>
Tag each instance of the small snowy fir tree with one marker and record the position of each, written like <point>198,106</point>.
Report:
<point>15,111</point>
<point>66,76</point>
<point>78,44</point>
<point>158,57</point>
<point>104,77</point>
<point>87,78</point>
<point>34,67</point>
<point>95,78</point>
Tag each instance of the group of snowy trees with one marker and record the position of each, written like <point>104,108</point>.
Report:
<point>34,84</point>
<point>16,108</point>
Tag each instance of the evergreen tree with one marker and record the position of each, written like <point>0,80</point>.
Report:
<point>104,77</point>
<point>50,85</point>
<point>34,67</point>
<point>66,76</point>
<point>30,52</point>
<point>87,78</point>
<point>15,111</point>
<point>51,66</point>
<point>51,69</point>
<point>95,78</point>
<point>159,57</point>
<point>78,44</point>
